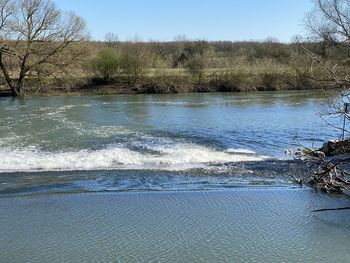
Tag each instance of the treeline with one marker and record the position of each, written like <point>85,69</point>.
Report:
<point>43,50</point>
<point>182,66</point>
<point>192,66</point>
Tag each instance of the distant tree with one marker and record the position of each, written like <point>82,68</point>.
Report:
<point>35,35</point>
<point>107,65</point>
<point>271,49</point>
<point>179,55</point>
<point>136,57</point>
<point>196,57</point>
<point>196,65</point>
<point>111,39</point>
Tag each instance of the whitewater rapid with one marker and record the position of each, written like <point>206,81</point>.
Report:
<point>168,133</point>
<point>180,156</point>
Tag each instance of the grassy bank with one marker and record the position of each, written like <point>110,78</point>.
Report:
<point>176,67</point>
<point>171,81</point>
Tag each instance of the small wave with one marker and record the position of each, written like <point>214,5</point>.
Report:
<point>240,150</point>
<point>175,157</point>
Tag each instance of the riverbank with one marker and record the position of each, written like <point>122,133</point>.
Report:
<point>168,84</point>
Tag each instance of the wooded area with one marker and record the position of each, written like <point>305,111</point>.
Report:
<point>43,50</point>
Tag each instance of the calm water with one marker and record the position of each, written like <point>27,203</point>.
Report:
<point>250,225</point>
<point>159,178</point>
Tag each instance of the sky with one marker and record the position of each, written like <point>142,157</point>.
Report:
<point>162,20</point>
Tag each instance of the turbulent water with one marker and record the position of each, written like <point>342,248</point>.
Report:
<point>175,132</point>
<point>164,178</point>
<point>155,136</point>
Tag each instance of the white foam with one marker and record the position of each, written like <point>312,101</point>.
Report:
<point>175,157</point>
<point>240,150</point>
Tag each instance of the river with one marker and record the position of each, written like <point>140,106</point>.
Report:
<point>159,178</point>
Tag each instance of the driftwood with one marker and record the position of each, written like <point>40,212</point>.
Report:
<point>328,174</point>
<point>325,170</point>
<point>332,209</point>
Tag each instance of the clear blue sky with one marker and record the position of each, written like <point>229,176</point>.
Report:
<point>197,19</point>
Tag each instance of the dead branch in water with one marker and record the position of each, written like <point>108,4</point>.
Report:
<point>324,171</point>
<point>332,209</point>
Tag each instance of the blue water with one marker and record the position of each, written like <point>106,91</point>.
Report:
<point>164,178</point>
<point>44,141</point>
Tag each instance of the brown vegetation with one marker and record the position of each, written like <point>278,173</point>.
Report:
<point>329,27</point>
<point>40,52</point>
<point>36,40</point>
<point>172,67</point>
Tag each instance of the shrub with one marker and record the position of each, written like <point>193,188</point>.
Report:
<point>107,65</point>
<point>136,57</point>
<point>197,58</point>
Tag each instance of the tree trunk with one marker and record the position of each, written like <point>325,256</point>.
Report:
<point>14,91</point>
<point>18,88</point>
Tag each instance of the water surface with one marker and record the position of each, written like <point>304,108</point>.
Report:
<point>247,225</point>
<point>164,178</point>
<point>157,132</point>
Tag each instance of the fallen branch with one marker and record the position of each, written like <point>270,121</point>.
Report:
<point>332,209</point>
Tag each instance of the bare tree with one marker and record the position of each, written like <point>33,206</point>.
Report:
<point>196,59</point>
<point>328,48</point>
<point>329,33</point>
<point>6,11</point>
<point>329,26</point>
<point>111,39</point>
<point>196,65</point>
<point>36,36</point>
<point>136,57</point>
